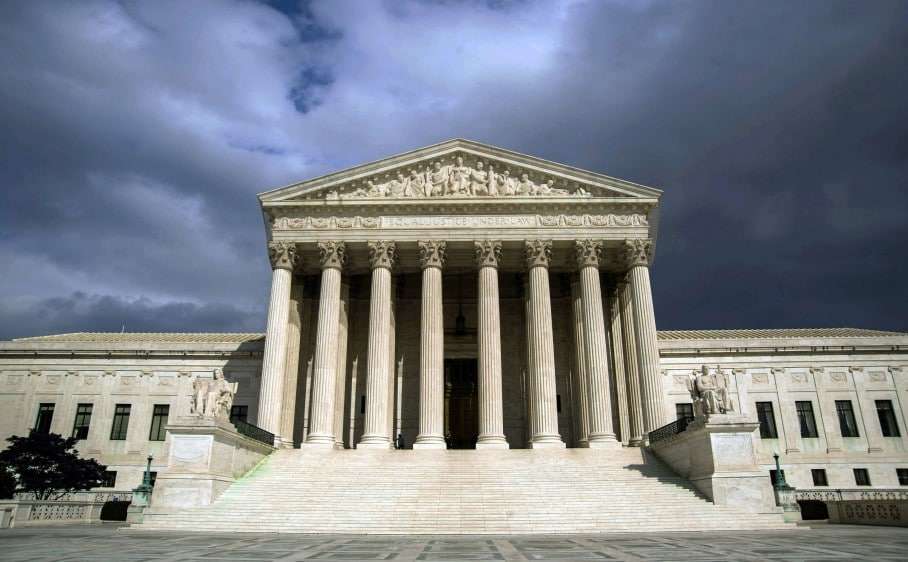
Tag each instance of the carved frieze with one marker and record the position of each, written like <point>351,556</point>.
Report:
<point>538,253</point>
<point>332,254</point>
<point>588,253</point>
<point>458,175</point>
<point>432,253</point>
<point>487,252</point>
<point>460,221</point>
<point>382,253</point>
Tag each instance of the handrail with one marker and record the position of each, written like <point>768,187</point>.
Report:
<point>253,432</point>
<point>670,430</point>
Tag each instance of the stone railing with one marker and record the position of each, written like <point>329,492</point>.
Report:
<point>862,506</point>
<point>852,494</point>
<point>67,508</point>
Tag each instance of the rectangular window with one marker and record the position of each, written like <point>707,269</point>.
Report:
<point>774,477</point>
<point>83,420</point>
<point>902,473</point>
<point>847,423</point>
<point>806,419</point>
<point>110,479</point>
<point>158,422</point>
<point>861,477</point>
<point>120,422</point>
<point>153,476</point>
<point>239,413</point>
<point>819,477</point>
<point>45,416</point>
<point>888,425</point>
<point>767,420</point>
<point>684,410</point>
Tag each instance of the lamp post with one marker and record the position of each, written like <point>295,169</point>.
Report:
<point>780,482</point>
<point>146,479</point>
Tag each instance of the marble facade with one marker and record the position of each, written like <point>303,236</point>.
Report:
<point>464,295</point>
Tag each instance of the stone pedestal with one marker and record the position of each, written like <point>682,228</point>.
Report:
<point>717,455</point>
<point>205,456</point>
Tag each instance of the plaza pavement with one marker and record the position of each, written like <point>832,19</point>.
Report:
<point>106,543</point>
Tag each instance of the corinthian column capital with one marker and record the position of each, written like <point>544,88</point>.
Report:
<point>382,253</point>
<point>638,252</point>
<point>588,253</point>
<point>432,253</point>
<point>283,255</point>
<point>488,253</point>
<point>538,253</point>
<point>332,255</point>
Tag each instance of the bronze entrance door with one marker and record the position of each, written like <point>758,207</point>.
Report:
<point>461,404</point>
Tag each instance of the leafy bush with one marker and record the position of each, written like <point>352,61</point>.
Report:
<point>47,465</point>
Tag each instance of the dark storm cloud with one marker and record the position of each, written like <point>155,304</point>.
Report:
<point>137,134</point>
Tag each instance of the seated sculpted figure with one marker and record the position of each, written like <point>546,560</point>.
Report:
<point>709,393</point>
<point>212,398</point>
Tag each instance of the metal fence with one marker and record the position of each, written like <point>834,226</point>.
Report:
<point>670,430</point>
<point>253,432</point>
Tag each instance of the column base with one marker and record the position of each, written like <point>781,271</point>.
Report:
<point>548,445</point>
<point>318,445</point>
<point>493,444</point>
<point>604,444</point>
<point>373,445</point>
<point>429,442</point>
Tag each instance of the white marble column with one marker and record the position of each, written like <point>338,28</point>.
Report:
<point>379,363</point>
<point>651,392</point>
<point>340,387</point>
<point>617,346</point>
<point>431,349</point>
<point>580,376</point>
<point>631,370</point>
<point>324,376</point>
<point>491,414</point>
<point>541,348</point>
<point>291,368</point>
<point>588,254</point>
<point>284,259</point>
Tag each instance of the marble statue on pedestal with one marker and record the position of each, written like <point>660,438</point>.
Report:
<point>709,393</point>
<point>213,398</point>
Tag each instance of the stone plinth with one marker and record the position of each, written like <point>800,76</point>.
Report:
<point>717,455</point>
<point>206,456</point>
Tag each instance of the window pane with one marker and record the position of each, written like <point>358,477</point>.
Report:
<point>159,422</point>
<point>82,421</point>
<point>120,422</point>
<point>819,477</point>
<point>239,413</point>
<point>861,477</point>
<point>888,425</point>
<point>847,423</point>
<point>684,410</point>
<point>45,417</point>
<point>110,479</point>
<point>767,420</point>
<point>806,419</point>
<point>902,473</point>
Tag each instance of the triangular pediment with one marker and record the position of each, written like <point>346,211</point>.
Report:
<point>460,169</point>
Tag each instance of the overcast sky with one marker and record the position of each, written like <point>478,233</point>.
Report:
<point>136,135</point>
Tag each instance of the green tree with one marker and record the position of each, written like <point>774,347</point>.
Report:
<point>48,466</point>
<point>7,483</point>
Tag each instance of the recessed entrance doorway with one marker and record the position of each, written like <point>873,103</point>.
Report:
<point>461,403</point>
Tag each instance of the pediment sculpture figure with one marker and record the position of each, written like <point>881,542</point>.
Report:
<point>709,393</point>
<point>212,398</point>
<point>458,179</point>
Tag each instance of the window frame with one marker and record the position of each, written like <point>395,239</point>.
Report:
<point>807,420</point>
<point>844,411</point>
<point>814,472</point>
<point>82,420</point>
<point>119,426</point>
<point>889,427</point>
<point>239,412</point>
<point>902,475</point>
<point>865,475</point>
<point>45,411</point>
<point>157,431</point>
<point>111,477</point>
<point>688,408</point>
<point>768,428</point>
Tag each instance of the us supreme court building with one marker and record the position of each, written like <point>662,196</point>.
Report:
<point>472,329</point>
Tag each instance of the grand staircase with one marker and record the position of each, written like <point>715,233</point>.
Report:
<point>461,492</point>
